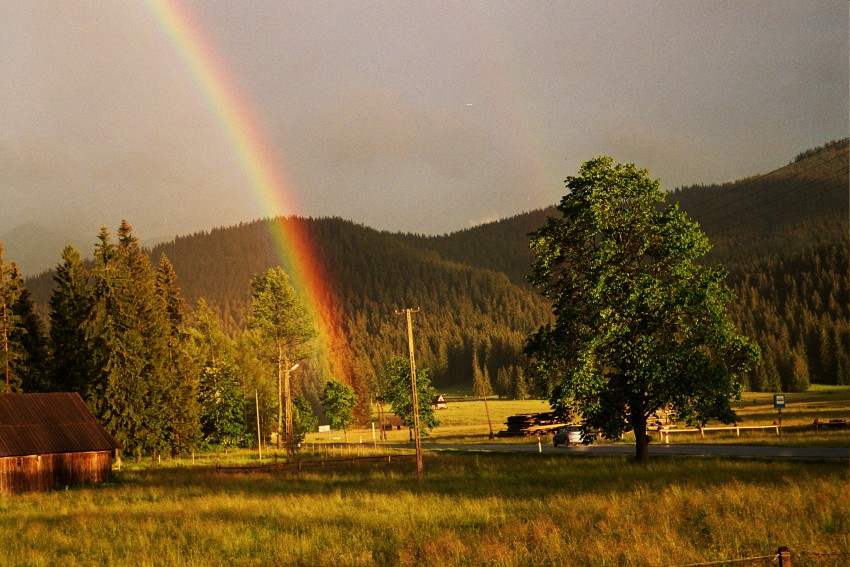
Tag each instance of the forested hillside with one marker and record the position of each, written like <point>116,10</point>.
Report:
<point>783,237</point>
<point>464,311</point>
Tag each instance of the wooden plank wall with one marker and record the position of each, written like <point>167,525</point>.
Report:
<point>45,472</point>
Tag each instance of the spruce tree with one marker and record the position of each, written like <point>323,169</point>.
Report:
<point>180,376</point>
<point>11,352</point>
<point>70,304</point>
<point>32,366</point>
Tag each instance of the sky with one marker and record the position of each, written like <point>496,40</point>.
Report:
<point>425,117</point>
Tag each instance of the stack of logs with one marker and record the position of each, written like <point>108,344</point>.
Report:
<point>531,424</point>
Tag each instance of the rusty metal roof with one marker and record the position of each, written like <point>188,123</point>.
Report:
<point>40,424</point>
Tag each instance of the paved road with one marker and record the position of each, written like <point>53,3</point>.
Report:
<point>657,449</point>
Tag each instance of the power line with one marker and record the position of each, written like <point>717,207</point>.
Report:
<point>737,186</point>
<point>746,196</point>
<point>792,191</point>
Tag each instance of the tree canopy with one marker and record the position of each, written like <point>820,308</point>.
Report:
<point>639,325</point>
<point>395,388</point>
<point>339,400</point>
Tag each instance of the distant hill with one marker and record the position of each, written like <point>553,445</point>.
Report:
<point>782,235</point>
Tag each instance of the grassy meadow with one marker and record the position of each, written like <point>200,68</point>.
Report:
<point>471,509</point>
<point>465,421</point>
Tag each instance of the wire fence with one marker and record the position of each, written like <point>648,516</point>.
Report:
<point>784,557</point>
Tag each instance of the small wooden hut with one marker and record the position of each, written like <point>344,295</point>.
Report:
<point>49,441</point>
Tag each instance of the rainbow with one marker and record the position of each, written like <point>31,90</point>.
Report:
<point>264,170</point>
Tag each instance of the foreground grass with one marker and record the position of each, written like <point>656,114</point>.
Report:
<point>472,509</point>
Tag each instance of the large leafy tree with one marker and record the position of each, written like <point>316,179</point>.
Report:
<point>339,401</point>
<point>286,328</point>
<point>223,403</point>
<point>639,325</point>
<point>303,419</point>
<point>395,388</point>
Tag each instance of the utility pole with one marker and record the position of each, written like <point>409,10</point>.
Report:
<point>418,442</point>
<point>290,445</point>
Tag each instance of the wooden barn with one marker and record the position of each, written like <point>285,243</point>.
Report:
<point>51,441</point>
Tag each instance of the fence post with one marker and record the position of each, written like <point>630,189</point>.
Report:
<point>784,557</point>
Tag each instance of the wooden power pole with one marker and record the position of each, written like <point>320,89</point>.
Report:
<point>417,440</point>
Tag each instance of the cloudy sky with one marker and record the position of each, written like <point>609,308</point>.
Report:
<point>423,116</point>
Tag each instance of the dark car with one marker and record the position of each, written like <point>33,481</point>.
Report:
<point>569,435</point>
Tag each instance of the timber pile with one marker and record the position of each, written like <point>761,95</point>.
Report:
<point>531,424</point>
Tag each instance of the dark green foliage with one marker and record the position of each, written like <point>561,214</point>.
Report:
<point>32,367</point>
<point>225,407</point>
<point>639,326</point>
<point>178,376</point>
<point>23,348</point>
<point>142,386</point>
<point>70,305</point>
<point>395,389</point>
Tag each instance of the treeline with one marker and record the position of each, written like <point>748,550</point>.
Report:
<point>159,378</point>
<point>465,313</point>
<point>781,235</point>
<point>798,310</point>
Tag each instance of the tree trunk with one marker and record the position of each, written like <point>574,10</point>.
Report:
<point>641,440</point>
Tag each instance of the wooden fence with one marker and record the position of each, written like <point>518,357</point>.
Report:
<point>664,433</point>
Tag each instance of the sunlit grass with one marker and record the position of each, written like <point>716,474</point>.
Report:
<point>465,421</point>
<point>472,509</point>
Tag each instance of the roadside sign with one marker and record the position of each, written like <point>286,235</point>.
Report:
<point>778,401</point>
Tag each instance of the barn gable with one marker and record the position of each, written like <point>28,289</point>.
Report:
<point>49,440</point>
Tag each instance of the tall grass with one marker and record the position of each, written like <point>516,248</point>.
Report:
<point>472,509</point>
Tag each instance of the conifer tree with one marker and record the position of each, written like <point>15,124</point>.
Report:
<point>11,288</point>
<point>70,305</point>
<point>32,367</point>
<point>129,339</point>
<point>286,328</point>
<point>112,331</point>
<point>180,376</point>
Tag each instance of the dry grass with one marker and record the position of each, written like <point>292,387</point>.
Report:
<point>472,509</point>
